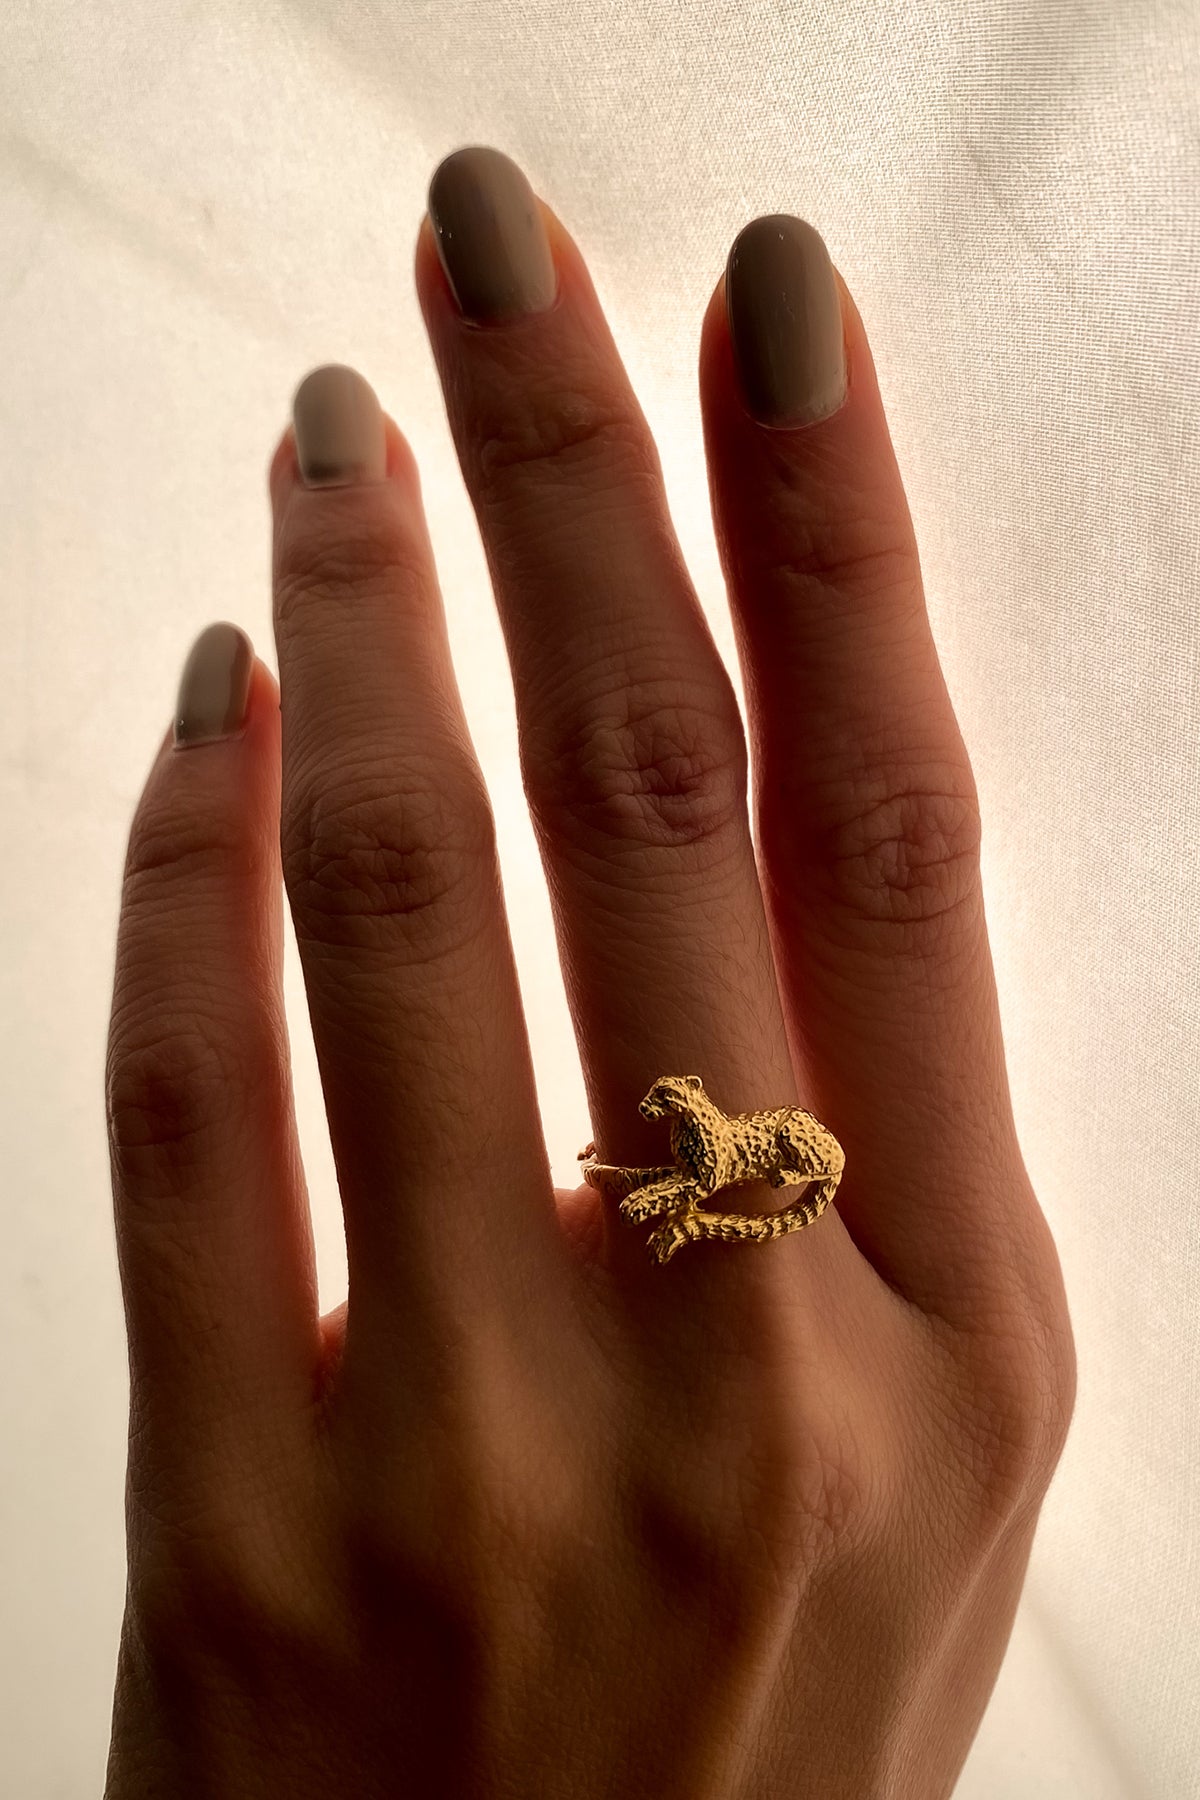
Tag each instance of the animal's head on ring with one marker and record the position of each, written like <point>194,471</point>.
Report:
<point>667,1093</point>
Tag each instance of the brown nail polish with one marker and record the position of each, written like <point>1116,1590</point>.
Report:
<point>214,689</point>
<point>489,233</point>
<point>340,434</point>
<point>785,320</point>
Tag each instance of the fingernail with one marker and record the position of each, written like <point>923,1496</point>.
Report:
<point>214,689</point>
<point>340,434</point>
<point>489,233</point>
<point>785,320</point>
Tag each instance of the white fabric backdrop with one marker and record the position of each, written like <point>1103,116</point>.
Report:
<point>198,205</point>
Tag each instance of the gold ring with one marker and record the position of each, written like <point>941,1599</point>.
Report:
<point>785,1146</point>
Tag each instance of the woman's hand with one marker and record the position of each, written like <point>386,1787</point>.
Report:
<point>533,1515</point>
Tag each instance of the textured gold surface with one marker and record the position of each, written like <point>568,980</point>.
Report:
<point>711,1151</point>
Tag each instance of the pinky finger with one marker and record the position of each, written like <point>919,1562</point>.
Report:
<point>214,1240</point>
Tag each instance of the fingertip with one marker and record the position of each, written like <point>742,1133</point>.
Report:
<point>264,689</point>
<point>715,318</point>
<point>285,474</point>
<point>425,256</point>
<point>283,467</point>
<point>859,359</point>
<point>401,458</point>
<point>851,437</point>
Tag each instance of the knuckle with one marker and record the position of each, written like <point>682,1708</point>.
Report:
<point>1013,1413</point>
<point>1034,1410</point>
<point>640,766</point>
<point>899,853</point>
<point>165,1089</point>
<point>228,1554</point>
<point>804,1486</point>
<point>229,1593</point>
<point>817,1477</point>
<point>1059,1386</point>
<point>361,853</point>
<point>837,545</point>
<point>485,1501</point>
<point>805,1507</point>
<point>577,430</point>
<point>166,843</point>
<point>844,560</point>
<point>459,1567</point>
<point>318,567</point>
<point>385,1573</point>
<point>1014,1455</point>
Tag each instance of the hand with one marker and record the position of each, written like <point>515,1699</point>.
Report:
<point>530,1515</point>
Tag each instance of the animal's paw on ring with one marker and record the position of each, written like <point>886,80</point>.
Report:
<point>639,1205</point>
<point>671,1237</point>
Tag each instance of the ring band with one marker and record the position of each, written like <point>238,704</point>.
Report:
<point>785,1146</point>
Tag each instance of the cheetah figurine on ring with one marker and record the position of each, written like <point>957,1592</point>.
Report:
<point>713,1150</point>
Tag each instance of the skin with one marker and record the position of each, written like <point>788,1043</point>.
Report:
<point>529,1515</point>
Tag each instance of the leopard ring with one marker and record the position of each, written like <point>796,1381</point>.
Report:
<point>711,1150</point>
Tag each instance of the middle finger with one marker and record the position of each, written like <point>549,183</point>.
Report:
<point>633,754</point>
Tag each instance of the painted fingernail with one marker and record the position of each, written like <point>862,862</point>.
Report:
<point>489,233</point>
<point>214,689</point>
<point>338,421</point>
<point>785,320</point>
